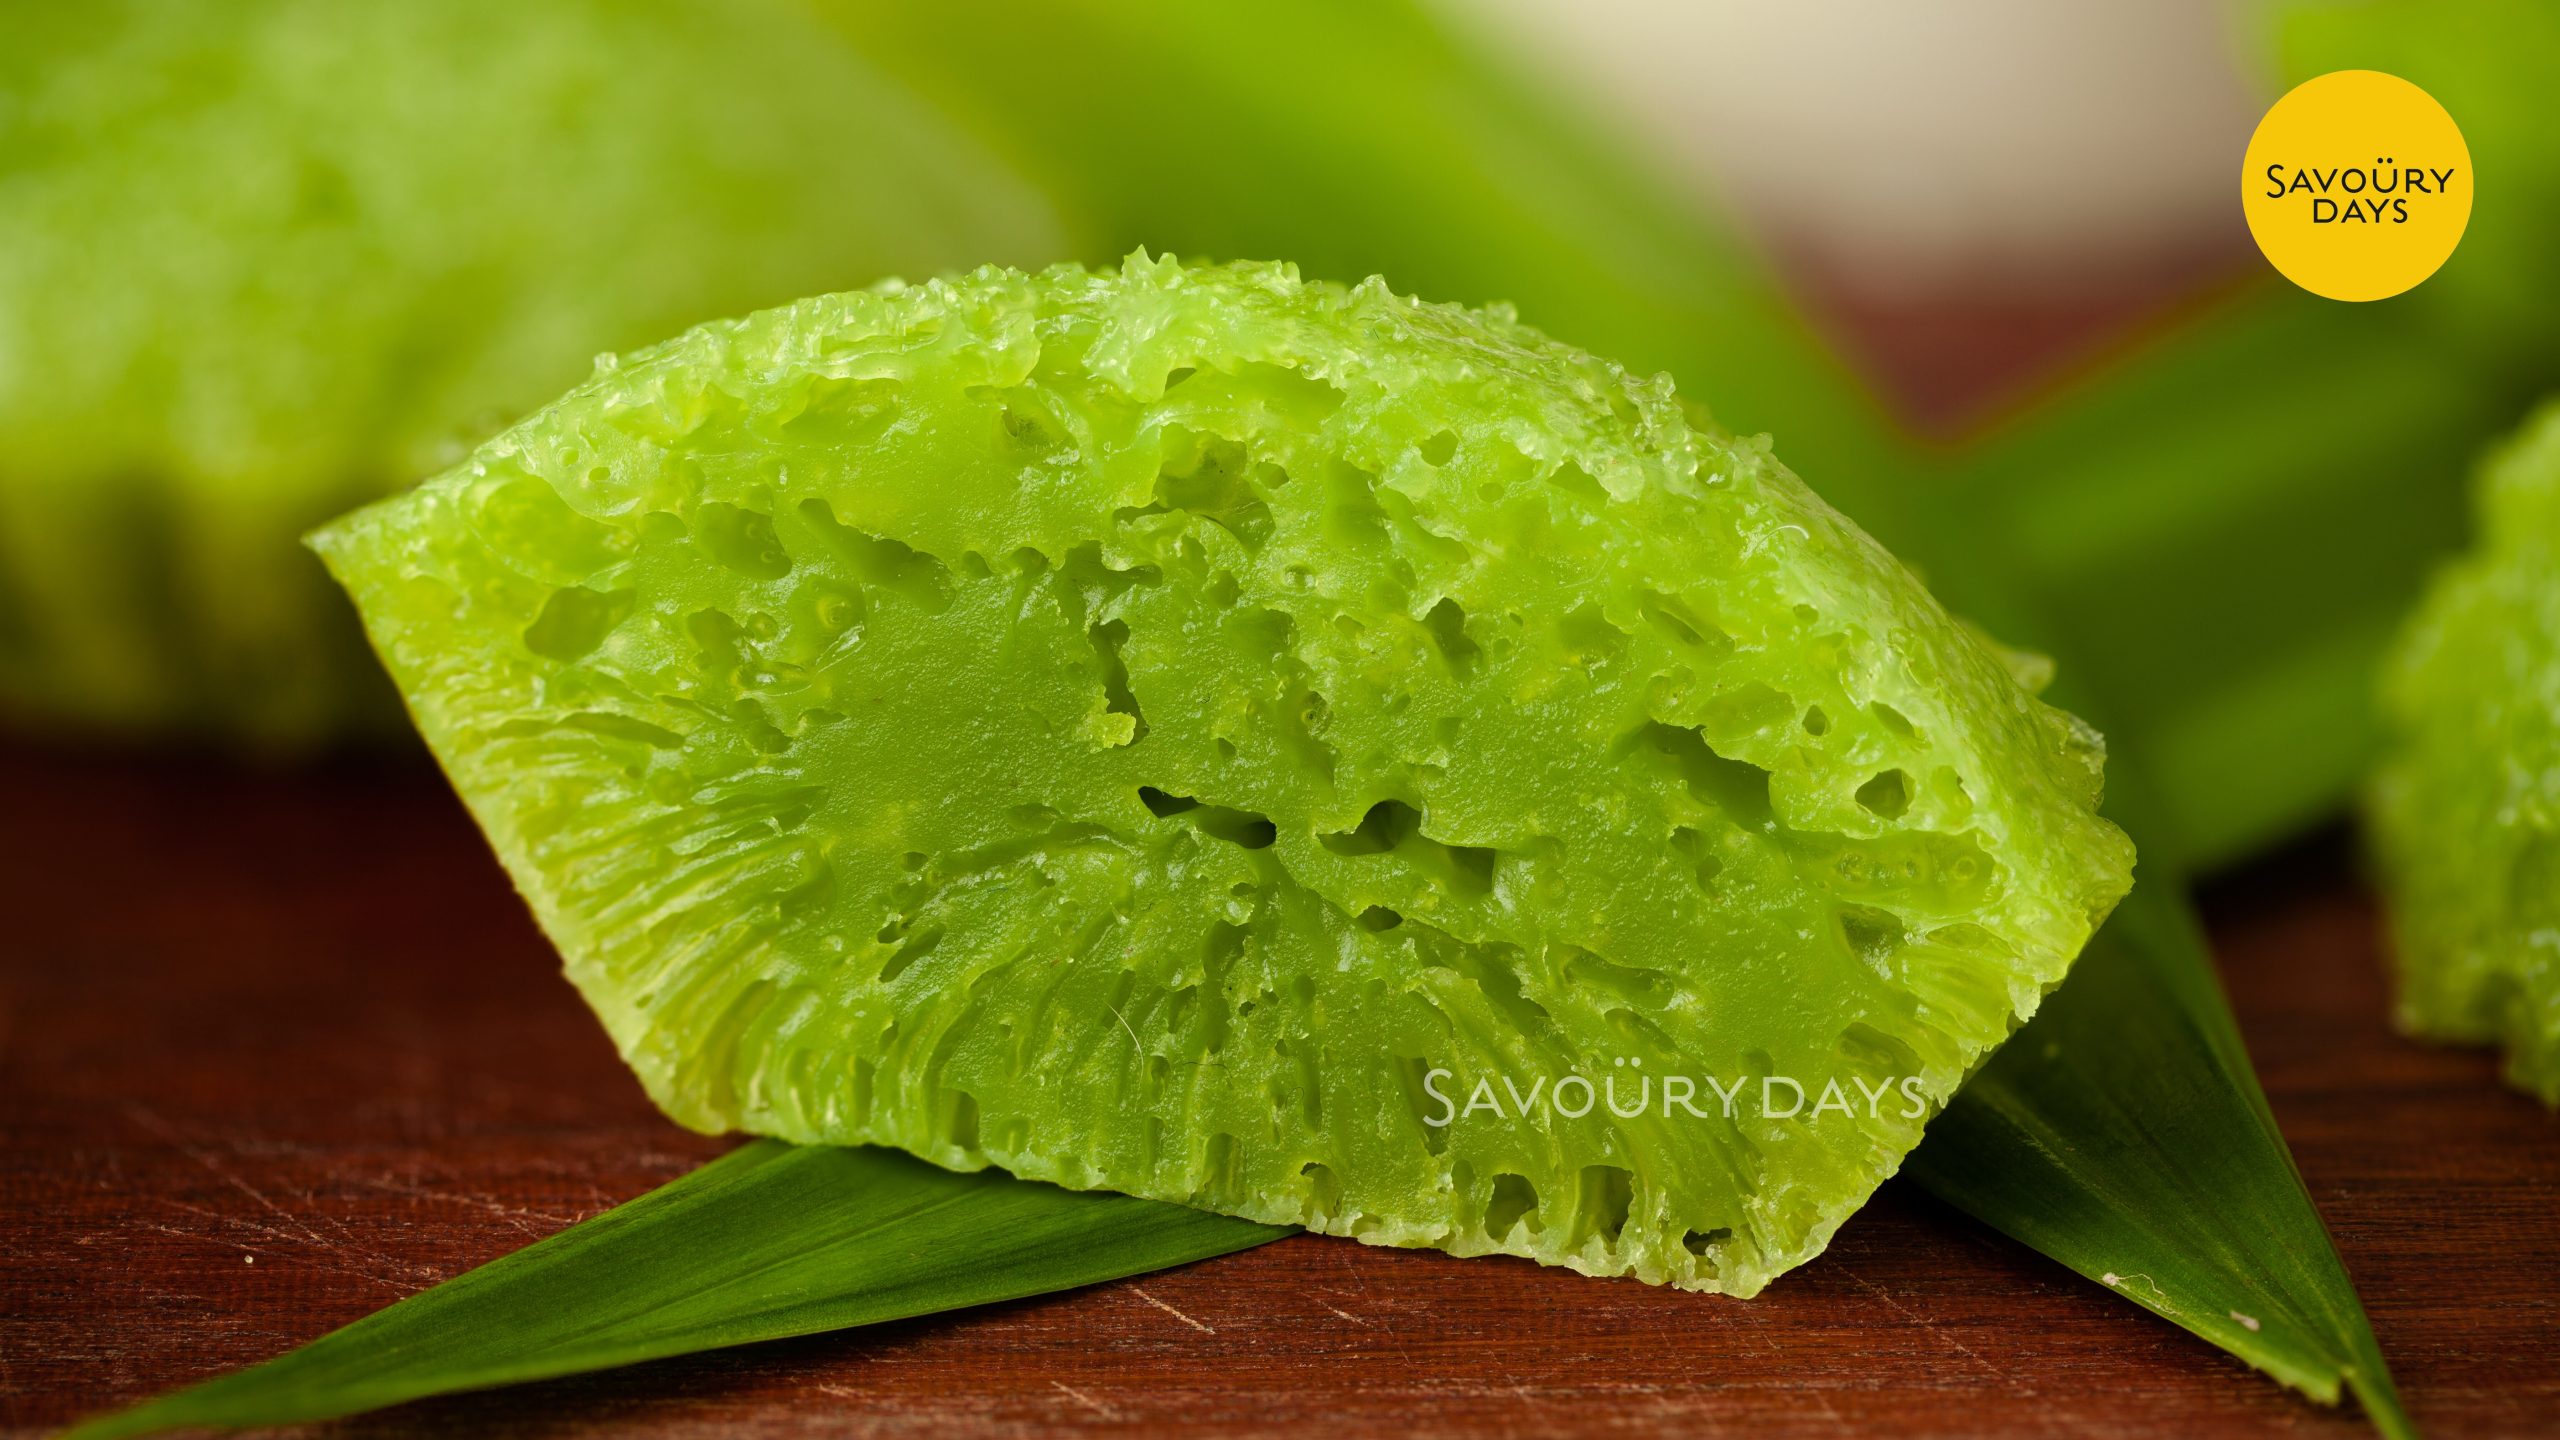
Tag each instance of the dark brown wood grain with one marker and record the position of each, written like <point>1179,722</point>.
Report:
<point>282,1047</point>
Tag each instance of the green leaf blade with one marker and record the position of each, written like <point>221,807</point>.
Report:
<point>767,1242</point>
<point>2059,1142</point>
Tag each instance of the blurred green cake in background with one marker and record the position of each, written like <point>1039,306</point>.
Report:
<point>2466,812</point>
<point>263,261</point>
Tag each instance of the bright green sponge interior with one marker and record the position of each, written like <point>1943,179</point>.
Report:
<point>263,260</point>
<point>1189,731</point>
<point>2466,810</point>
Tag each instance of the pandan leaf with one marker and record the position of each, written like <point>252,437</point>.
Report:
<point>766,1242</point>
<point>2123,1133</point>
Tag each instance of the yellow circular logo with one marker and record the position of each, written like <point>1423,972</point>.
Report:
<point>2357,185</point>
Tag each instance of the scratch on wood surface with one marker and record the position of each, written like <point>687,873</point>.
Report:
<point>1338,1310</point>
<point>1937,1332</point>
<point>1350,1264</point>
<point>206,1158</point>
<point>1087,1401</point>
<point>338,1254</point>
<point>1746,1321</point>
<point>330,1257</point>
<point>1141,1293</point>
<point>520,1216</point>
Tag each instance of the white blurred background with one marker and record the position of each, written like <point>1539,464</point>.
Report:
<point>1970,195</point>
<point>1924,143</point>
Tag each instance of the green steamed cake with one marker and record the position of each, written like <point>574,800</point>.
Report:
<point>1296,751</point>
<point>2466,809</point>
<point>267,259</point>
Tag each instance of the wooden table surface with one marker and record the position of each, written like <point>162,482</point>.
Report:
<point>279,1048</point>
